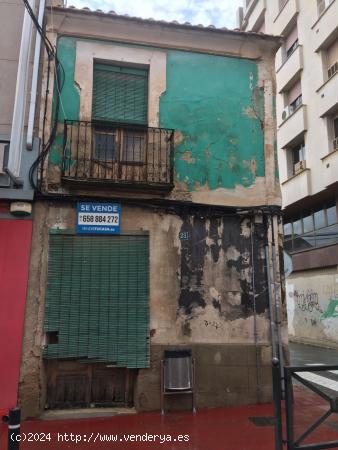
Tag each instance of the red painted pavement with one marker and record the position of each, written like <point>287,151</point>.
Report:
<point>15,241</point>
<point>214,429</point>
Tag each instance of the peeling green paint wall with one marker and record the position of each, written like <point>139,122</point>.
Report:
<point>216,105</point>
<point>66,51</point>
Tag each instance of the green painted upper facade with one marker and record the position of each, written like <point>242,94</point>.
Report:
<point>214,105</point>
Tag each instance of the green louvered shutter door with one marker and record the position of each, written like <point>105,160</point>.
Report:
<point>120,94</point>
<point>97,299</point>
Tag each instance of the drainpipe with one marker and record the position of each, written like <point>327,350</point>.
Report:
<point>15,149</point>
<point>36,63</point>
<point>271,307</point>
<point>272,254</point>
<point>278,303</point>
<point>258,366</point>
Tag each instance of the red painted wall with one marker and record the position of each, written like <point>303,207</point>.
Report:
<point>15,242</point>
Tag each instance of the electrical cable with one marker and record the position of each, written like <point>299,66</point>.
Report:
<point>59,79</point>
<point>46,41</point>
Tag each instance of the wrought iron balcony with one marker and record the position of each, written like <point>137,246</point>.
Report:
<point>123,155</point>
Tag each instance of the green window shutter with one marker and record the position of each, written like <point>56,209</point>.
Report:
<point>120,94</point>
<point>97,299</point>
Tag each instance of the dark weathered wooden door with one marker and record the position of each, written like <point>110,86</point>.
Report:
<point>72,384</point>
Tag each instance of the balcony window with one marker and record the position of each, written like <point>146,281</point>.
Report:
<point>108,145</point>
<point>293,97</point>
<point>117,146</point>
<point>291,49</point>
<point>335,131</point>
<point>331,215</point>
<point>308,224</point>
<point>320,220</point>
<point>291,42</point>
<point>322,5</point>
<point>104,146</point>
<point>316,228</point>
<point>296,158</point>
<point>292,100</point>
<point>332,123</point>
<point>296,103</point>
<point>133,147</point>
<point>332,59</point>
<point>120,94</point>
<point>117,154</point>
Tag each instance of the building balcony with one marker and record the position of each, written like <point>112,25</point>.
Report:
<point>296,187</point>
<point>114,154</point>
<point>294,125</point>
<point>325,28</point>
<point>285,17</point>
<point>328,96</point>
<point>255,14</point>
<point>330,168</point>
<point>288,72</point>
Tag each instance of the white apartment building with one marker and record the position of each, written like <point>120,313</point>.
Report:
<point>307,142</point>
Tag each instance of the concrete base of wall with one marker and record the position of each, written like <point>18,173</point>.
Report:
<point>321,343</point>
<point>226,375</point>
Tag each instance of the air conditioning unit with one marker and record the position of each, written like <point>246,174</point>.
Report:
<point>301,165</point>
<point>332,69</point>
<point>335,143</point>
<point>285,113</point>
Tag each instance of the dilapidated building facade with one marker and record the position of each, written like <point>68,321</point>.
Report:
<point>172,128</point>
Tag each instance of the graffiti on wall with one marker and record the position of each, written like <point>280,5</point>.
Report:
<point>309,301</point>
<point>331,310</point>
<point>306,300</point>
<point>312,303</point>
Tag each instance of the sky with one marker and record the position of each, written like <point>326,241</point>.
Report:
<point>221,13</point>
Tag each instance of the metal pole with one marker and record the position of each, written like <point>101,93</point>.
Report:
<point>289,409</point>
<point>14,429</point>
<point>278,304</point>
<point>277,398</point>
<point>273,328</point>
<point>255,331</point>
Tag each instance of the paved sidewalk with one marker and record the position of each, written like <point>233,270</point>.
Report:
<point>209,429</point>
<point>214,429</point>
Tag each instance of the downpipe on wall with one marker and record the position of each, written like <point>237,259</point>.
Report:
<point>273,278</point>
<point>278,302</point>
<point>16,139</point>
<point>255,332</point>
<point>32,104</point>
<point>271,254</point>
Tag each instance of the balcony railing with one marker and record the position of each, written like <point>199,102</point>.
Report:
<point>124,155</point>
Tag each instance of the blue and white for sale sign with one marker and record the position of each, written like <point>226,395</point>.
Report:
<point>98,218</point>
